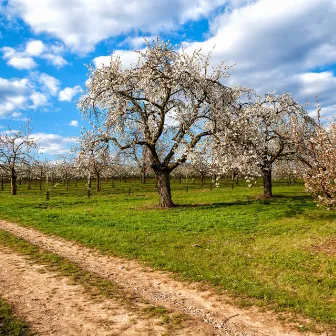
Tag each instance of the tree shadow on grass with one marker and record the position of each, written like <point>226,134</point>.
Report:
<point>283,205</point>
<point>277,200</point>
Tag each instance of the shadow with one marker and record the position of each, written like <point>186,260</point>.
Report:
<point>211,205</point>
<point>280,200</point>
<point>277,207</point>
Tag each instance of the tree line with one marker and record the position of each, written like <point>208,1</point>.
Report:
<point>172,110</point>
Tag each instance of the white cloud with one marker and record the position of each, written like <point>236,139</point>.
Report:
<point>127,57</point>
<point>21,63</point>
<point>18,116</point>
<point>100,61</point>
<point>74,123</point>
<point>34,48</point>
<point>23,57</point>
<point>277,45</point>
<point>19,95</point>
<point>8,52</point>
<point>138,41</point>
<point>38,99</point>
<point>56,60</point>
<point>53,144</point>
<point>50,83</point>
<point>14,94</point>
<point>68,93</point>
<point>81,24</point>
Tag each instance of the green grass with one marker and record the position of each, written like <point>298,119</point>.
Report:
<point>10,324</point>
<point>258,251</point>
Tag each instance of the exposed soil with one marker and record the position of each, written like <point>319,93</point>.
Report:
<point>54,307</point>
<point>155,286</point>
<point>328,247</point>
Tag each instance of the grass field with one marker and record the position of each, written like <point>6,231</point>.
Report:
<point>259,251</point>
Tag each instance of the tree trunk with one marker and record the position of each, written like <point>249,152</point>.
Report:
<point>98,181</point>
<point>267,176</point>
<point>143,176</point>
<point>2,182</point>
<point>202,179</point>
<point>41,179</point>
<point>13,182</point>
<point>164,191</point>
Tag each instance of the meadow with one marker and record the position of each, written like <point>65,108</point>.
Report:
<point>265,252</point>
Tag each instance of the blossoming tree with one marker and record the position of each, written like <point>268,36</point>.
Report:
<point>318,153</point>
<point>259,133</point>
<point>16,152</point>
<point>167,102</point>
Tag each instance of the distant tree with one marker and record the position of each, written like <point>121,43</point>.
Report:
<point>259,133</point>
<point>17,149</point>
<point>167,102</point>
<point>65,168</point>
<point>94,157</point>
<point>202,161</point>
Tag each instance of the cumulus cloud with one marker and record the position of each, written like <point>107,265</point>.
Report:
<point>137,42</point>
<point>56,60</point>
<point>74,123</point>
<point>14,94</point>
<point>277,45</point>
<point>53,144</point>
<point>49,83</point>
<point>69,93</point>
<point>38,99</point>
<point>92,21</point>
<point>34,48</point>
<point>23,57</point>
<point>127,57</point>
<point>21,63</point>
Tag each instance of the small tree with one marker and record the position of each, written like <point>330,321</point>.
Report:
<point>16,151</point>
<point>93,157</point>
<point>167,102</point>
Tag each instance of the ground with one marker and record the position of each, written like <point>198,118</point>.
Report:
<point>234,250</point>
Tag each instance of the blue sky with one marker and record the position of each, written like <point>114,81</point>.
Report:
<point>277,45</point>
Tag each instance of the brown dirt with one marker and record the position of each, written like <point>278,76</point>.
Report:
<point>328,247</point>
<point>54,307</point>
<point>159,287</point>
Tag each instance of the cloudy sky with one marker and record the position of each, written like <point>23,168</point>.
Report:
<point>276,45</point>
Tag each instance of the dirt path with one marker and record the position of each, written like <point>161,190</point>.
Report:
<point>159,288</point>
<point>54,307</point>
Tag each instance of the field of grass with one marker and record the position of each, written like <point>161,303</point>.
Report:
<point>258,251</point>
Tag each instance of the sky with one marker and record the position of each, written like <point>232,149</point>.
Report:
<point>274,45</point>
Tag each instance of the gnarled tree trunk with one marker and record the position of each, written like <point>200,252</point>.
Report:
<point>163,178</point>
